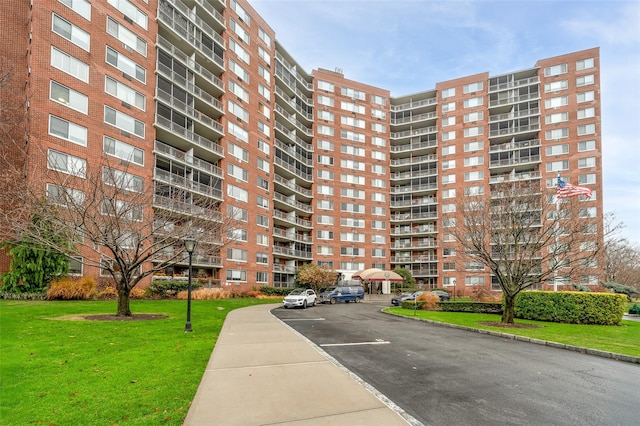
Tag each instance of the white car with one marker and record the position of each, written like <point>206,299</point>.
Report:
<point>300,297</point>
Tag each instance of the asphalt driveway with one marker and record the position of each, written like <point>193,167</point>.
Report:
<point>444,376</point>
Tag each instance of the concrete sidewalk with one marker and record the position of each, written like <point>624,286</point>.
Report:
<point>263,373</point>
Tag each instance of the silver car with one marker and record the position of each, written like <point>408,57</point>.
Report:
<point>301,297</point>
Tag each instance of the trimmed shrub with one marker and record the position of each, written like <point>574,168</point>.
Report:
<point>137,293</point>
<point>275,291</point>
<point>169,288</point>
<point>634,310</point>
<point>571,307</point>
<point>72,289</point>
<point>205,294</point>
<point>472,307</point>
<point>22,296</point>
<point>428,301</point>
<point>108,293</point>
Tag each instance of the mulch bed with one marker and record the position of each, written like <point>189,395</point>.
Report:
<point>135,317</point>
<point>516,325</point>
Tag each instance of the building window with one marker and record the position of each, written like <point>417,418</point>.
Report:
<point>238,71</point>
<point>378,141</point>
<point>66,163</point>
<point>474,161</point>
<point>325,220</point>
<point>473,146</point>
<point>238,234</point>
<point>586,96</point>
<point>448,150</point>
<point>75,265</point>
<point>325,130</point>
<point>558,117</point>
<point>237,213</point>
<point>448,193</point>
<point>325,204</point>
<point>584,64</point>
<point>128,38</point>
<point>262,220</point>
<point>448,266</point>
<point>237,254</point>
<point>448,164</point>
<point>264,37</point>
<point>448,107</point>
<point>353,93</point>
<point>473,176</point>
<point>262,240</point>
<point>325,145</point>
<point>557,150</point>
<point>125,93</point>
<point>472,87</point>
<point>587,178</point>
<point>236,275</point>
<point>378,155</point>
<point>262,71</point>
<point>238,153</point>
<point>586,162</point>
<point>473,102</point>
<point>587,129</point>
<point>325,235</point>
<point>378,100</point>
<point>555,86</point>
<point>352,107</point>
<point>586,146</point>
<point>473,131</point>
<point>237,193</point>
<point>237,90</point>
<point>556,102</point>
<point>325,100</point>
<point>448,179</point>
<point>556,134</point>
<point>262,277</point>
<point>237,131</point>
<point>123,121</point>
<point>237,172</point>
<point>447,93</point>
<point>325,174</point>
<point>67,130</point>
<point>474,280</point>
<point>378,183</point>
<point>70,65</point>
<point>72,33</point>
<point>242,14</point>
<point>585,80</point>
<point>325,159</point>
<point>64,196</point>
<point>378,169</point>
<point>555,70</point>
<point>448,121</point>
<point>326,86</point>
<point>263,165</point>
<point>378,113</point>
<point>352,136</point>
<point>378,127</point>
<point>122,180</point>
<point>555,166</point>
<point>68,97</point>
<point>586,113</point>
<point>126,65</point>
<point>130,11</point>
<point>474,116</point>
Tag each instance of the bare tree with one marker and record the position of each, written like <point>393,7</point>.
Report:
<point>119,224</point>
<point>524,238</point>
<point>621,257</point>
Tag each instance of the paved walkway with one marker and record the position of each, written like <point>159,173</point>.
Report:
<point>263,373</point>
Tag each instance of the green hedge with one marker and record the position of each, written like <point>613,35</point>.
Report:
<point>275,291</point>
<point>571,307</point>
<point>473,307</point>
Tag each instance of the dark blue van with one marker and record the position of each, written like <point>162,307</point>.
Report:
<point>348,293</point>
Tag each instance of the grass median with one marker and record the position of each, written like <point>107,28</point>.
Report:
<point>622,339</point>
<point>58,369</point>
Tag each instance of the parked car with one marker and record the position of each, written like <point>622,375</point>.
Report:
<point>302,297</point>
<point>351,293</point>
<point>397,301</point>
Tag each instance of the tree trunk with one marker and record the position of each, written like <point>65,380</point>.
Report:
<point>124,309</point>
<point>508,308</point>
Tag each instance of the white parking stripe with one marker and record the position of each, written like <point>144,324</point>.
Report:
<point>377,342</point>
<point>302,319</point>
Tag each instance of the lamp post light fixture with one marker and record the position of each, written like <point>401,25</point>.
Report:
<point>189,246</point>
<point>454,289</point>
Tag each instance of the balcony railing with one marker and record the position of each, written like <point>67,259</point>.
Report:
<point>414,188</point>
<point>189,185</point>
<point>293,103</point>
<point>514,161</point>
<point>284,233</point>
<point>514,99</point>
<point>514,129</point>
<point>414,104</point>
<point>515,114</point>
<point>413,160</point>
<point>190,87</point>
<point>174,153</point>
<point>292,218</point>
<point>294,120</point>
<point>414,146</point>
<point>291,185</point>
<point>414,118</point>
<point>196,139</point>
<point>172,204</point>
<point>291,134</point>
<point>293,71</point>
<point>292,168</point>
<point>414,174</point>
<point>414,132</point>
<point>513,84</point>
<point>287,251</point>
<point>292,202</point>
<point>413,216</point>
<point>515,177</point>
<point>189,110</point>
<point>291,151</point>
<point>511,146</point>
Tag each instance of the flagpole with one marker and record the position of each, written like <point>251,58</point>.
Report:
<point>557,231</point>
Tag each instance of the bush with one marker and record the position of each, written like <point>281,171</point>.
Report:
<point>72,289</point>
<point>108,293</point>
<point>428,301</point>
<point>472,307</point>
<point>205,294</point>
<point>22,296</point>
<point>275,291</point>
<point>634,310</point>
<point>571,307</point>
<point>169,288</point>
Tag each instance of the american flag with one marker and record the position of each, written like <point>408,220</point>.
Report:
<point>566,190</point>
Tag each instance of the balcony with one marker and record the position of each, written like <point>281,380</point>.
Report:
<point>190,111</point>
<point>292,235</point>
<point>399,217</point>
<point>414,259</point>
<point>421,244</point>
<point>513,84</point>
<point>286,269</point>
<point>292,202</point>
<point>188,209</point>
<point>514,161</point>
<point>514,99</point>
<point>414,132</point>
<point>214,16</point>
<point>290,217</point>
<point>514,129</point>
<point>293,186</point>
<point>190,138</point>
<point>413,188</point>
<point>413,174</point>
<point>414,118</point>
<point>515,177</point>
<point>398,231</point>
<point>413,160</point>
<point>175,154</point>
<point>422,201</point>
<point>291,134</point>
<point>198,259</point>
<point>414,146</point>
<point>291,168</point>
<point>291,151</point>
<point>290,252</point>
<point>291,118</point>
<point>200,72</point>
<point>292,69</point>
<point>187,185</point>
<point>291,102</point>
<point>512,146</point>
<point>414,104</point>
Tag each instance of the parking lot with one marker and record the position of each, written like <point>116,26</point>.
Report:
<point>441,375</point>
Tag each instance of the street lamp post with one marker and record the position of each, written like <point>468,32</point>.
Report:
<point>189,246</point>
<point>454,289</point>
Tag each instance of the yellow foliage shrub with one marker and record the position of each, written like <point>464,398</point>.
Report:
<point>205,294</point>
<point>72,289</point>
<point>137,293</point>
<point>430,300</point>
<point>108,293</point>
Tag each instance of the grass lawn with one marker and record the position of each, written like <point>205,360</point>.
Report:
<point>74,372</point>
<point>623,339</point>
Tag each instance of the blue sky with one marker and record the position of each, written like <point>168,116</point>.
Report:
<point>407,46</point>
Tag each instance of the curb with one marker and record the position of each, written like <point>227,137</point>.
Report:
<point>582,350</point>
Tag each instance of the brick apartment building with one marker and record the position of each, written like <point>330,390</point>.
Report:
<point>199,95</point>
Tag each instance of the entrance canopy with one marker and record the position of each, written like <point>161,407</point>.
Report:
<point>376,274</point>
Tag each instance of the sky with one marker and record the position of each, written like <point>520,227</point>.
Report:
<point>407,46</point>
